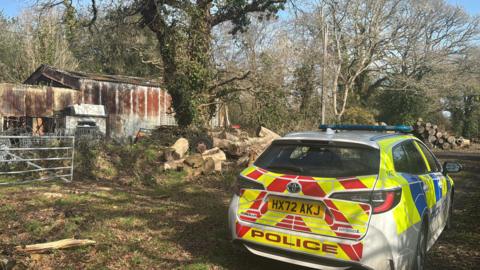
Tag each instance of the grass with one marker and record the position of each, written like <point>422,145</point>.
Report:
<point>178,223</point>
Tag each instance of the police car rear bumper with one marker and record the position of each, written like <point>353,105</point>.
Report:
<point>378,246</point>
<point>302,259</point>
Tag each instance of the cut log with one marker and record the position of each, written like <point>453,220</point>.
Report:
<point>465,143</point>
<point>241,148</point>
<point>234,149</point>
<point>446,146</point>
<point>173,165</point>
<point>435,127</point>
<point>428,125</point>
<point>440,140</point>
<point>432,139</point>
<point>217,155</point>
<point>420,130</point>
<point>263,132</point>
<point>180,148</point>
<point>62,244</point>
<point>208,166</point>
<point>169,154</point>
<point>439,134</point>
<point>221,143</point>
<point>432,131</point>
<point>459,141</point>
<point>451,139</point>
<point>194,161</point>
<point>230,137</point>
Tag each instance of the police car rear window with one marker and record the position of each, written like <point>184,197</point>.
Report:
<point>320,159</point>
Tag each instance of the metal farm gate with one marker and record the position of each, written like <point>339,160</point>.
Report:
<point>26,158</point>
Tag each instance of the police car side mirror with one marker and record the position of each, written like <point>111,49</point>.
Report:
<point>451,167</point>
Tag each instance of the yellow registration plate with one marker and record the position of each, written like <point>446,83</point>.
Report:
<point>298,207</point>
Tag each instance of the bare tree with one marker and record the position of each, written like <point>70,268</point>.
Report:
<point>31,40</point>
<point>44,41</point>
<point>429,36</point>
<point>392,43</point>
<point>360,31</point>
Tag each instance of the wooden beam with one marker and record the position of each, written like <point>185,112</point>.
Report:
<point>61,244</point>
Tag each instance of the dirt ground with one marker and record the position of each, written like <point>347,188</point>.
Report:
<point>179,224</point>
<point>459,248</point>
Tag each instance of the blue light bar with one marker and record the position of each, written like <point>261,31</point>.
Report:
<point>398,128</point>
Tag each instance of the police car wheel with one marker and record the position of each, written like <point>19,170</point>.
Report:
<point>421,253</point>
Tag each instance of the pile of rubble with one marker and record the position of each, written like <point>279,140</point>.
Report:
<point>236,145</point>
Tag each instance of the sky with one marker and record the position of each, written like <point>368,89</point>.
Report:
<point>471,6</point>
<point>12,8</point>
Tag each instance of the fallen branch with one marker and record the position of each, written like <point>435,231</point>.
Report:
<point>61,244</point>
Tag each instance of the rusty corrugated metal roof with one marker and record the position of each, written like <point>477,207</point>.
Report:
<point>72,78</point>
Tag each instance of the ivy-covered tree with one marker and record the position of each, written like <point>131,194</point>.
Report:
<point>183,29</point>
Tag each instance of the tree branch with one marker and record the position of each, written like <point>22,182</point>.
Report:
<point>92,21</point>
<point>235,78</point>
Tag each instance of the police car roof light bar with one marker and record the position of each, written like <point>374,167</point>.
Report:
<point>398,128</point>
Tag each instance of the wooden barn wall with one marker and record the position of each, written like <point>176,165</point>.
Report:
<point>129,107</point>
<point>24,100</point>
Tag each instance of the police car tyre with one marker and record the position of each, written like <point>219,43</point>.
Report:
<point>421,252</point>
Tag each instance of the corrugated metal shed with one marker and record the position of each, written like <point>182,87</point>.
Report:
<point>131,103</point>
<point>24,100</point>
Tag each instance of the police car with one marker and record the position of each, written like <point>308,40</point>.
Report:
<point>346,196</point>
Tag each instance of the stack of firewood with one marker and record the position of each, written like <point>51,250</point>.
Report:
<point>435,137</point>
<point>236,145</point>
<point>242,148</point>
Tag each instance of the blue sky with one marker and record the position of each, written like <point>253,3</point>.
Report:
<point>472,6</point>
<point>13,7</point>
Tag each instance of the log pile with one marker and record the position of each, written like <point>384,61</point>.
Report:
<point>238,145</point>
<point>235,145</point>
<point>435,137</point>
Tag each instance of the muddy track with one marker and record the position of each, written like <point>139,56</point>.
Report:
<point>459,247</point>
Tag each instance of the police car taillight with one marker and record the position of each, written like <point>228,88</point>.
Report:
<point>242,183</point>
<point>380,200</point>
